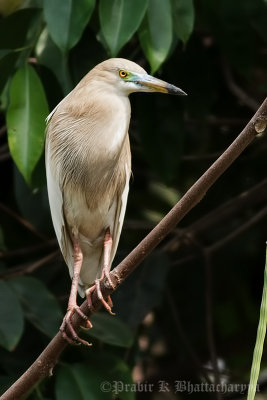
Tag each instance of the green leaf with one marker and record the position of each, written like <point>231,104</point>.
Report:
<point>155,33</point>
<point>26,120</point>
<point>66,20</point>
<point>77,382</point>
<point>261,333</point>
<point>11,317</point>
<point>49,55</point>
<point>110,329</point>
<point>119,20</point>
<point>39,305</point>
<point>95,380</point>
<point>183,18</point>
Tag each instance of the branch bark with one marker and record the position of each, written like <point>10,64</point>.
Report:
<point>45,363</point>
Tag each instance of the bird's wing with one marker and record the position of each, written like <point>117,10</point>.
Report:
<point>49,117</point>
<point>56,206</point>
<point>120,212</point>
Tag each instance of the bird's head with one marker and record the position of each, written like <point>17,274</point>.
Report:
<point>127,77</point>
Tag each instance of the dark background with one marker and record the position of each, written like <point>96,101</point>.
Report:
<point>194,303</point>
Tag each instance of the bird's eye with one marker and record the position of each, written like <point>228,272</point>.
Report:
<point>123,73</point>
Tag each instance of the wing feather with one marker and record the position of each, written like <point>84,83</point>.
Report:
<point>56,203</point>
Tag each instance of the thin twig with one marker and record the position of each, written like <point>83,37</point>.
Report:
<point>209,322</point>
<point>29,268</point>
<point>219,243</point>
<point>236,90</point>
<point>45,363</point>
<point>26,224</point>
<point>238,231</point>
<point>184,339</point>
<point>250,198</point>
<point>26,251</point>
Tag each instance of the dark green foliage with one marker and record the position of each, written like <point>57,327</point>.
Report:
<point>211,267</point>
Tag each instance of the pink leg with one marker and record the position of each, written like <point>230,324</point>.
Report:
<point>72,304</point>
<point>105,274</point>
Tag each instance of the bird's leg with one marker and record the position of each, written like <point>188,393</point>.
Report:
<point>72,304</point>
<point>105,274</point>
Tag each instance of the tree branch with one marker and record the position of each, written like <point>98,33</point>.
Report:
<point>44,364</point>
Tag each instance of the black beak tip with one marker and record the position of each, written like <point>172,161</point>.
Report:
<point>180,92</point>
<point>176,91</point>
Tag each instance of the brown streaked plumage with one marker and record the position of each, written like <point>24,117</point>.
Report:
<point>88,164</point>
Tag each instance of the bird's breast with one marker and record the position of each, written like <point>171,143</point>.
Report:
<point>89,150</point>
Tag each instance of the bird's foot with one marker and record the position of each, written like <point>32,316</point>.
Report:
<point>107,304</point>
<point>72,337</point>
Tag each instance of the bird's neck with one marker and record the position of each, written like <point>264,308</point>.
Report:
<point>113,123</point>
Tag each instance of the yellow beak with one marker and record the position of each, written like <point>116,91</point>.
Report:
<point>150,84</point>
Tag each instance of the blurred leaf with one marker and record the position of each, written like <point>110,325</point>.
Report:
<point>119,20</point>
<point>183,17</point>
<point>14,28</point>
<point>169,195</point>
<point>26,120</point>
<point>94,381</point>
<point>142,291</point>
<point>7,64</point>
<point>17,41</point>
<point>32,204</point>
<point>66,20</point>
<point>9,6</point>
<point>111,330</point>
<point>77,382</point>
<point>39,305</point>
<point>155,33</point>
<point>49,54</point>
<point>11,317</point>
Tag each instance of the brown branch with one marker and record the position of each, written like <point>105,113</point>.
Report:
<point>45,363</point>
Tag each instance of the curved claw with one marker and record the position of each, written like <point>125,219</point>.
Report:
<point>107,304</point>
<point>72,337</point>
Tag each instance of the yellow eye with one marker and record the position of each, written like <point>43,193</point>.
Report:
<point>123,73</point>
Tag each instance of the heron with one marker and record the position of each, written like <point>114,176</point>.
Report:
<point>88,166</point>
